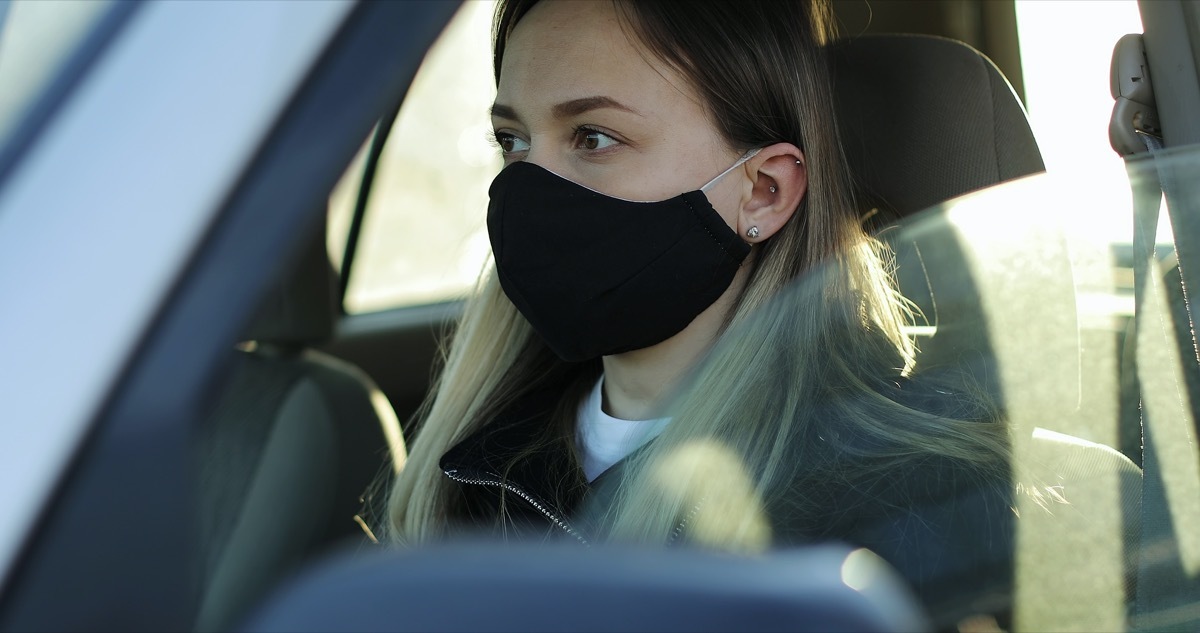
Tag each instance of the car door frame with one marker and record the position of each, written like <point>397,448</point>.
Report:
<point>107,541</point>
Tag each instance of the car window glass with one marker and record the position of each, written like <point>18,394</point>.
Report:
<point>1036,332</point>
<point>1036,326</point>
<point>423,237</point>
<point>341,205</point>
<point>36,38</point>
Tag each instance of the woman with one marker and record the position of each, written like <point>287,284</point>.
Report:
<point>623,374</point>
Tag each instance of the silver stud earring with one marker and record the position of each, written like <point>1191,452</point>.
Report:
<point>752,233</point>
<point>772,189</point>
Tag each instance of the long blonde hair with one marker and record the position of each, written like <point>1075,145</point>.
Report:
<point>761,69</point>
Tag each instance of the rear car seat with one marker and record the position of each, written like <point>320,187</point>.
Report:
<point>289,450</point>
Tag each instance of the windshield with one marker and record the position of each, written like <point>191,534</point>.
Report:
<point>37,39</point>
<point>1020,443</point>
<point>1035,456</point>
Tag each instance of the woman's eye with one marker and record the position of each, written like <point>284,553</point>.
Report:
<point>511,144</point>
<point>589,139</point>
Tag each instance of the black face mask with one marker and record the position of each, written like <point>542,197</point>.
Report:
<point>597,275</point>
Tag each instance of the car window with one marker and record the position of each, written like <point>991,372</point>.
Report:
<point>36,39</point>
<point>1092,370</point>
<point>423,238</point>
<point>1076,527</point>
<point>341,204</point>
<point>1067,87</point>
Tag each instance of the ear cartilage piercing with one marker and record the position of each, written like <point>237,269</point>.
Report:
<point>773,189</point>
<point>752,233</point>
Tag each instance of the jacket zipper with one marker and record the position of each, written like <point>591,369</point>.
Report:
<point>554,518</point>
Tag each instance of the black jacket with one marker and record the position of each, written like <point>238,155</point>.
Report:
<point>947,531</point>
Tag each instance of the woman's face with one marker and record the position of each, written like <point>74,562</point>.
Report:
<point>578,98</point>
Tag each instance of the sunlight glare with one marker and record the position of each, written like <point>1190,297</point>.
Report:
<point>1065,61</point>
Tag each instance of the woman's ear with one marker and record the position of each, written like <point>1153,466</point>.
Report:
<point>779,181</point>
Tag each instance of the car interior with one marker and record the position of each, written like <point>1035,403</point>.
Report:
<point>957,98</point>
<point>925,119</point>
<point>309,416</point>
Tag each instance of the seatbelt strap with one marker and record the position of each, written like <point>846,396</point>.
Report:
<point>1165,552</point>
<point>1168,552</point>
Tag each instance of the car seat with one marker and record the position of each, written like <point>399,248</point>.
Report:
<point>924,120</point>
<point>290,448</point>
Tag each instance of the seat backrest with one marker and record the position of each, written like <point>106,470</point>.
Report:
<point>926,119</point>
<point>290,448</point>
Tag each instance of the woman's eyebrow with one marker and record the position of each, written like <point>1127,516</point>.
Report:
<point>567,109</point>
<point>576,107</point>
<point>502,111</point>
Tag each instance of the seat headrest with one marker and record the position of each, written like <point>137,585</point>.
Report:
<point>300,308</point>
<point>925,119</point>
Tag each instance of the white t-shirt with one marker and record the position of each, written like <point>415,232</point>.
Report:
<point>604,440</point>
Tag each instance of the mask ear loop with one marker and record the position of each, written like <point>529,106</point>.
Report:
<point>745,157</point>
